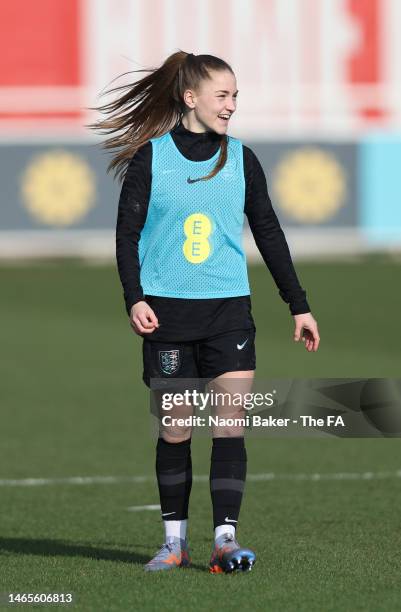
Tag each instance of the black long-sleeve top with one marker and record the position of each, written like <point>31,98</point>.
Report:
<point>193,319</point>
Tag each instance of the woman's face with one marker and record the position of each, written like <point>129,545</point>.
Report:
<point>216,96</point>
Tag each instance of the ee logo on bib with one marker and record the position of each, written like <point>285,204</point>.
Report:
<point>197,229</point>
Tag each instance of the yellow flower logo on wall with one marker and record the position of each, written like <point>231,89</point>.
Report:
<point>310,185</point>
<point>58,188</point>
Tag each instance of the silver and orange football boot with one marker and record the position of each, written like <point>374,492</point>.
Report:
<point>174,553</point>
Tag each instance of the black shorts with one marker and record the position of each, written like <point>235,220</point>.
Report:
<point>231,351</point>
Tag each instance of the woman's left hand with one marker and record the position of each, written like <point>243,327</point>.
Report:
<point>306,327</point>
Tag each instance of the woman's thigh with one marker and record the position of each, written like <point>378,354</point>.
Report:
<point>229,392</point>
<point>173,417</point>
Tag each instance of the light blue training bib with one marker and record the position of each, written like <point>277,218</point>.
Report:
<point>191,243</point>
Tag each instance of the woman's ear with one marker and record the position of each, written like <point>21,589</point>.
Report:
<point>189,98</point>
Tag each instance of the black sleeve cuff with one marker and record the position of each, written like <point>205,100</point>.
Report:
<point>299,308</point>
<point>297,303</point>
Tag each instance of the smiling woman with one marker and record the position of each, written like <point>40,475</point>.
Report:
<point>187,185</point>
<point>151,106</point>
<point>214,106</point>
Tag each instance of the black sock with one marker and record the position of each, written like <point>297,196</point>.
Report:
<point>227,479</point>
<point>174,477</point>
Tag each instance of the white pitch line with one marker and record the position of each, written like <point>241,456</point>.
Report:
<point>89,480</point>
<point>74,480</point>
<point>139,508</point>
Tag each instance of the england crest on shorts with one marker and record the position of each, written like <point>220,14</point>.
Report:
<point>169,361</point>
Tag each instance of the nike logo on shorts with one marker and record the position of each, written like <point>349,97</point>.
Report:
<point>168,513</point>
<point>228,520</point>
<point>241,346</point>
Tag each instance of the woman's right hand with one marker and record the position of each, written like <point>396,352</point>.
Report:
<point>143,319</point>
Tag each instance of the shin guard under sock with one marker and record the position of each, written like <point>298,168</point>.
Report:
<point>227,479</point>
<point>174,478</point>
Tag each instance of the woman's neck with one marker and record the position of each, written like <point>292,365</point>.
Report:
<point>206,135</point>
<point>193,127</point>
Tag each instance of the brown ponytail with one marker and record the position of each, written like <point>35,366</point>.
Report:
<point>153,105</point>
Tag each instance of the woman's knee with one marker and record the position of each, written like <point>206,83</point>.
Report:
<point>175,435</point>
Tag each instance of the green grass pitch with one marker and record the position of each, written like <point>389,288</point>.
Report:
<point>73,404</point>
